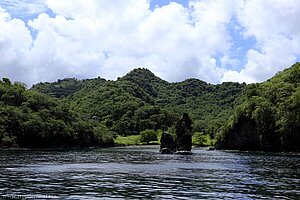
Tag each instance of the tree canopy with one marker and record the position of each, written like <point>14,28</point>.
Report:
<point>261,116</point>
<point>140,100</point>
<point>33,120</point>
<point>268,117</point>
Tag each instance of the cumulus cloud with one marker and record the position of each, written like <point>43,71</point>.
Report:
<point>97,38</point>
<point>274,24</point>
<point>15,40</point>
<point>22,8</point>
<point>89,38</point>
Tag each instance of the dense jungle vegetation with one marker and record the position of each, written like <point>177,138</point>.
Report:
<point>140,101</point>
<point>268,117</point>
<point>29,119</point>
<point>90,112</point>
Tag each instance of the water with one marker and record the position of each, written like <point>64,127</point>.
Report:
<point>141,173</point>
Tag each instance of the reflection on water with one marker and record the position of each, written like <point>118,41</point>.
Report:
<point>141,172</point>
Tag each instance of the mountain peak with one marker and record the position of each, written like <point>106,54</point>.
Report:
<point>145,79</point>
<point>140,73</point>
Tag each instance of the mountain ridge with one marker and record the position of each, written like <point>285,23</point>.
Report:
<point>140,88</point>
<point>261,116</point>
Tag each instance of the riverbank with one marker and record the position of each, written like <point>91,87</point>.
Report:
<point>132,140</point>
<point>198,139</point>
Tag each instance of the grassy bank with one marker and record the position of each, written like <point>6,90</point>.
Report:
<point>131,140</point>
<point>127,140</point>
<point>198,139</point>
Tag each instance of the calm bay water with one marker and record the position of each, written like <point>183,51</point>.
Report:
<point>141,172</point>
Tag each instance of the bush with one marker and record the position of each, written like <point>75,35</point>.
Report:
<point>148,136</point>
<point>102,135</point>
<point>8,141</point>
<point>201,139</point>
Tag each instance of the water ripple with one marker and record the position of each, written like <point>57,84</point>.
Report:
<point>134,173</point>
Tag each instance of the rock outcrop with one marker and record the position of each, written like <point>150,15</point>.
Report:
<point>184,134</point>
<point>167,143</point>
<point>183,141</point>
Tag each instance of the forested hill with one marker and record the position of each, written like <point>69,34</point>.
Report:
<point>268,117</point>
<point>262,116</point>
<point>30,119</point>
<point>140,100</point>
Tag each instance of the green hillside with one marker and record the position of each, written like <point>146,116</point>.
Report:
<point>268,117</point>
<point>33,120</point>
<point>140,101</point>
<point>262,116</point>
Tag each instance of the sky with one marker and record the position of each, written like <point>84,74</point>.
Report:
<point>212,40</point>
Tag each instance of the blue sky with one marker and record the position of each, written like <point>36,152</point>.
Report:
<point>160,3</point>
<point>212,40</point>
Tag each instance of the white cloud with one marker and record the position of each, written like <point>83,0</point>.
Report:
<point>15,40</point>
<point>23,8</point>
<point>89,38</point>
<point>126,35</point>
<point>228,62</point>
<point>275,26</point>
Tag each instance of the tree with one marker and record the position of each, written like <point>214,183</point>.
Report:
<point>33,120</point>
<point>148,136</point>
<point>267,117</point>
<point>200,139</point>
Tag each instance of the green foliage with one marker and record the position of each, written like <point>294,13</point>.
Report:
<point>60,89</point>
<point>140,101</point>
<point>262,116</point>
<point>34,120</point>
<point>148,135</point>
<point>8,141</point>
<point>268,117</point>
<point>201,139</point>
<point>101,135</point>
<point>127,140</point>
<point>158,135</point>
